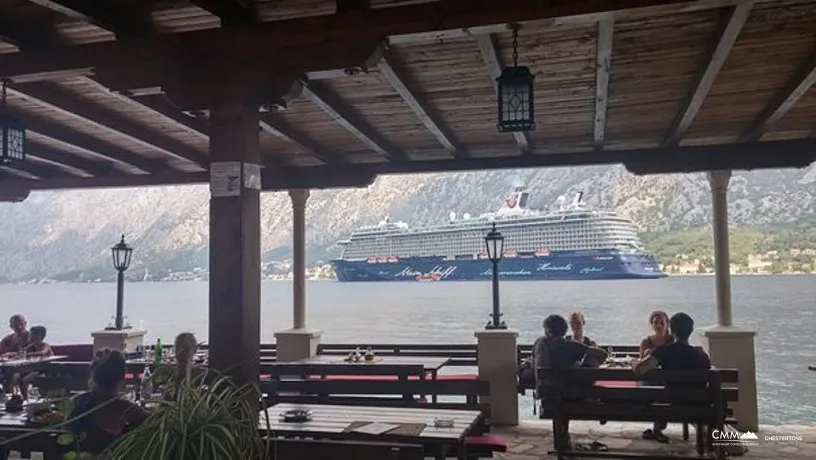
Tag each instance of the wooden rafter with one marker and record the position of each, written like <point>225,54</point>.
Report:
<point>494,67</point>
<point>90,145</point>
<point>802,81</point>
<point>57,101</point>
<point>57,157</point>
<point>38,170</point>
<point>606,30</point>
<point>732,25</point>
<point>231,12</point>
<point>395,76</point>
<point>123,22</point>
<point>343,115</point>
<point>282,130</point>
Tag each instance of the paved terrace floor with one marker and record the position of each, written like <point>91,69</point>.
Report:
<point>533,439</point>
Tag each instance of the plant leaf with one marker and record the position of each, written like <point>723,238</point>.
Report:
<point>66,439</point>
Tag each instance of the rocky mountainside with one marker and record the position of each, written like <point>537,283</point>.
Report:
<point>52,233</point>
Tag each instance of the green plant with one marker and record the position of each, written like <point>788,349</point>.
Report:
<point>201,422</point>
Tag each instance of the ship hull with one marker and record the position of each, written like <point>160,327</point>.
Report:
<point>564,265</point>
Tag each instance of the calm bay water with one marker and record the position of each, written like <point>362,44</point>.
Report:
<point>780,308</point>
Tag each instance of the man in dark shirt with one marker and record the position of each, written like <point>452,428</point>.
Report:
<point>676,355</point>
<point>553,351</point>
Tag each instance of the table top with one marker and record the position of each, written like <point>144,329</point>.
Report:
<point>428,362</point>
<point>330,420</point>
<point>29,361</point>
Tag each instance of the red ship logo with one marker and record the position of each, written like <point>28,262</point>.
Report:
<point>511,202</point>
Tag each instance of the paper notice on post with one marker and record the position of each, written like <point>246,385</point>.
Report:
<point>375,428</point>
<point>252,176</point>
<point>225,179</point>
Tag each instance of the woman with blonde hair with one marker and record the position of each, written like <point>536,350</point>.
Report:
<point>659,321</point>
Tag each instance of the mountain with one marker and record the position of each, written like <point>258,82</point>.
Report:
<point>54,233</point>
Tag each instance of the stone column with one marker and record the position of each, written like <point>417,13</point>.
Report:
<point>299,197</point>
<point>498,356</point>
<point>719,206</point>
<point>730,347</point>
<point>298,342</point>
<point>235,242</point>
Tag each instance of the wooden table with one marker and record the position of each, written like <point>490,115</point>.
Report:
<point>13,425</point>
<point>15,364</point>
<point>329,421</point>
<point>430,365</point>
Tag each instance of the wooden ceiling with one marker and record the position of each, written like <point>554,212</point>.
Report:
<point>392,86</point>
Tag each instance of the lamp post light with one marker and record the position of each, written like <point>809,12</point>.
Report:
<point>121,253</point>
<point>495,250</point>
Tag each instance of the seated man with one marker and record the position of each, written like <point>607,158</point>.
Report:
<point>675,355</point>
<point>36,347</point>
<point>14,343</point>
<point>554,351</point>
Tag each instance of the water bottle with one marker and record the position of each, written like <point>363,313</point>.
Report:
<point>146,385</point>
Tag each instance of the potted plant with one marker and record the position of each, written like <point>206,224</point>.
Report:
<point>202,422</point>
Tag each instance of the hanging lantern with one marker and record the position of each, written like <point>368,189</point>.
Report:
<point>12,133</point>
<point>516,102</point>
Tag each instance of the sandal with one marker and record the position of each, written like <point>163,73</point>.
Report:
<point>649,434</point>
<point>662,438</point>
<point>583,447</point>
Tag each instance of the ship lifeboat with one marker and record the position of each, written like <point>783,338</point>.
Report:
<point>510,253</point>
<point>393,259</point>
<point>372,260</point>
<point>382,260</point>
<point>483,255</point>
<point>542,253</point>
<point>429,277</point>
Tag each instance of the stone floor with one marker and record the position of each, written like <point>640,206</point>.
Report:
<point>533,439</point>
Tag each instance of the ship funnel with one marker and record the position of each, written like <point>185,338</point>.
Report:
<point>578,197</point>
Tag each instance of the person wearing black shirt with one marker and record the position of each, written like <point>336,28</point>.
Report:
<point>554,351</point>
<point>675,355</point>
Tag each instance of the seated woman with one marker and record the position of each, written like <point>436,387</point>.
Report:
<point>36,347</point>
<point>100,413</point>
<point>659,321</point>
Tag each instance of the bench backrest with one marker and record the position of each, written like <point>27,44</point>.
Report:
<point>301,449</point>
<point>691,395</point>
<point>276,370</point>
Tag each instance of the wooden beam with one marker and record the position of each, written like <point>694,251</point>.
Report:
<point>391,70</point>
<point>343,115</point>
<point>603,62</point>
<point>804,78</point>
<point>37,170</point>
<point>736,18</point>
<point>353,26</point>
<point>166,178</point>
<point>57,157</point>
<point>494,67</point>
<point>91,145</point>
<point>231,12</point>
<point>57,101</point>
<point>279,128</point>
<point>127,22</point>
<point>37,160</point>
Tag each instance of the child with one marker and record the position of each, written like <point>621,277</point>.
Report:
<point>36,347</point>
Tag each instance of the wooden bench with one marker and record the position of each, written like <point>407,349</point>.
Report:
<point>314,449</point>
<point>394,393</point>
<point>691,397</point>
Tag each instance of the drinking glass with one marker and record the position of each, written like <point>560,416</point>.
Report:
<point>34,393</point>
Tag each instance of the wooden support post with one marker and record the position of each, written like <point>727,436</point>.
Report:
<point>235,242</point>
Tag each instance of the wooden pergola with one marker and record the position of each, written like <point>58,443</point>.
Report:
<point>331,93</point>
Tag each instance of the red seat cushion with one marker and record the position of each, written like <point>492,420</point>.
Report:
<point>75,352</point>
<point>457,377</point>
<point>494,442</point>
<point>378,378</point>
<point>617,383</point>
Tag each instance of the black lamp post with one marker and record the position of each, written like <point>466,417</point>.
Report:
<point>121,261</point>
<point>495,250</point>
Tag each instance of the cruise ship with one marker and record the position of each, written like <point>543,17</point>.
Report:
<point>572,242</point>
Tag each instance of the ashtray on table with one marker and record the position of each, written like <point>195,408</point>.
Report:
<point>296,416</point>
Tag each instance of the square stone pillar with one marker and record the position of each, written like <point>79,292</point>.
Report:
<point>122,340</point>
<point>733,348</point>
<point>295,344</point>
<point>497,355</point>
